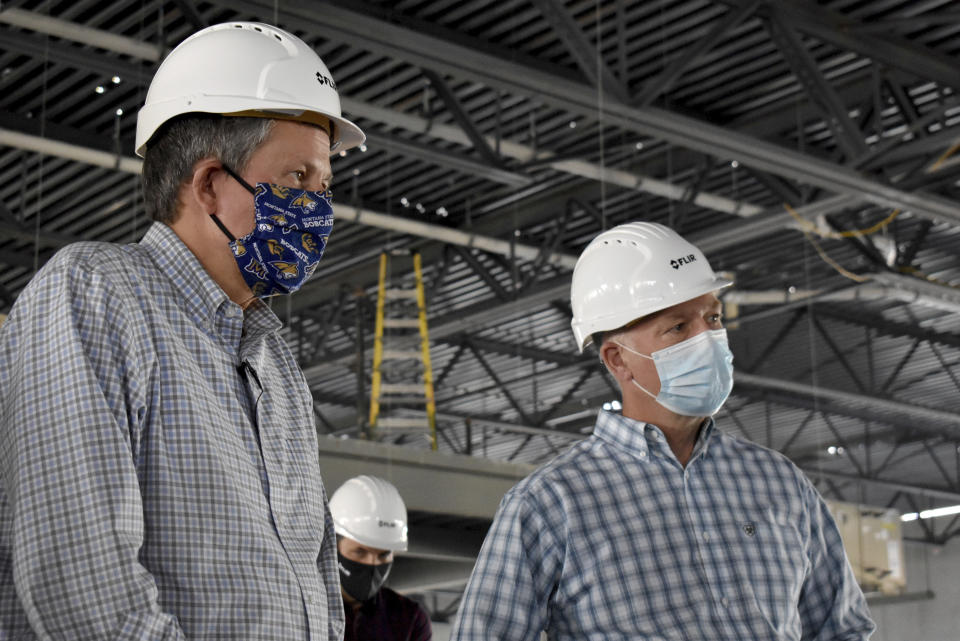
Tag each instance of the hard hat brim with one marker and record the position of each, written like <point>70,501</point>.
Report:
<point>621,319</point>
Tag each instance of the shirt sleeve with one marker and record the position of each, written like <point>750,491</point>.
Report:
<point>327,562</point>
<point>832,606</point>
<point>73,399</point>
<point>509,591</point>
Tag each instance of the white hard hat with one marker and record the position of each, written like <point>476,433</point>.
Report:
<point>634,270</point>
<point>244,69</point>
<point>370,511</point>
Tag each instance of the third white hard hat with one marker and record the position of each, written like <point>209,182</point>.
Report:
<point>369,510</point>
<point>244,69</point>
<point>634,270</point>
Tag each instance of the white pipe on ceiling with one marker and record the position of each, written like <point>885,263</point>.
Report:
<point>523,153</point>
<point>40,145</point>
<point>888,287</point>
<point>343,212</point>
<point>128,46</point>
<point>78,33</point>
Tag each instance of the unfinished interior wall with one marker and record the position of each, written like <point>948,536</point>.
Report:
<point>932,568</point>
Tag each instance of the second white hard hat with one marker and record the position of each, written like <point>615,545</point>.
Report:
<point>369,510</point>
<point>244,69</point>
<point>634,270</point>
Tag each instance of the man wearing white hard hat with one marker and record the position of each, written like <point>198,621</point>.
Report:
<point>160,472</point>
<point>370,519</point>
<point>660,525</point>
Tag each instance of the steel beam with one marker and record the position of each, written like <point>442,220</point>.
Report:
<point>669,76</point>
<point>342,212</point>
<point>97,38</point>
<point>585,54</point>
<point>565,94</point>
<point>917,490</point>
<point>442,544</point>
<point>86,60</point>
<point>874,408</point>
<point>484,274</point>
<point>503,388</point>
<point>472,487</point>
<point>448,159</point>
<point>191,14</point>
<point>845,132</point>
<point>344,25</point>
<point>709,241</point>
<point>844,32</point>
<point>908,23</point>
<point>461,117</point>
<point>886,326</point>
<point>411,575</point>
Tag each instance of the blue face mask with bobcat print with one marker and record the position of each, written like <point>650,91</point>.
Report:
<point>287,241</point>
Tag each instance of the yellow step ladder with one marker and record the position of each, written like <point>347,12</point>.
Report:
<point>395,382</point>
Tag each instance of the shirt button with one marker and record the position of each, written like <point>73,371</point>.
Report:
<point>706,535</point>
<point>643,454</point>
<point>725,602</point>
<point>309,597</point>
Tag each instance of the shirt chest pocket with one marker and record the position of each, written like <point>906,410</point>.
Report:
<point>768,550</point>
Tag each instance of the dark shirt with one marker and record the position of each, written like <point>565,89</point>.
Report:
<point>387,617</point>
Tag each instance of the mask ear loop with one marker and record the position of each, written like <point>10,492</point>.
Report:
<point>632,379</point>
<point>237,177</point>
<point>246,186</point>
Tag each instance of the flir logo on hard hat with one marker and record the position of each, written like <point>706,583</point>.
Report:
<point>385,523</point>
<point>676,263</point>
<point>326,80</point>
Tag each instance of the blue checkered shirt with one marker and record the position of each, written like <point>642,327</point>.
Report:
<point>136,500</point>
<point>615,540</point>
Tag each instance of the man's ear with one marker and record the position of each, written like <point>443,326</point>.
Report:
<point>612,357</point>
<point>202,188</point>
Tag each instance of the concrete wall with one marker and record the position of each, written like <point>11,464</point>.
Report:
<point>937,619</point>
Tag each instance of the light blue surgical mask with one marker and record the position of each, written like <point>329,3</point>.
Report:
<point>696,375</point>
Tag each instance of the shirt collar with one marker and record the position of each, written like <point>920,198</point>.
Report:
<point>638,437</point>
<point>201,296</point>
<point>258,321</point>
<point>623,432</point>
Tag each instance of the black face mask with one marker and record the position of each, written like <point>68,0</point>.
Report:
<point>360,580</point>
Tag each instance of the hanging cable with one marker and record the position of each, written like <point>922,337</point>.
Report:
<point>942,159</point>
<point>40,176</point>
<point>853,233</point>
<point>600,74</point>
<point>830,261</point>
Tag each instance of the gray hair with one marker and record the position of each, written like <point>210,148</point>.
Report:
<point>176,148</point>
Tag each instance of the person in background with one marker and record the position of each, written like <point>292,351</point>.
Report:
<point>159,473</point>
<point>659,525</point>
<point>370,520</point>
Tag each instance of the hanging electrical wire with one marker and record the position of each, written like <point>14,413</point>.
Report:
<point>807,226</point>
<point>830,261</point>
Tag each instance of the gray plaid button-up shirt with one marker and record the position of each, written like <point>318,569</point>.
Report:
<point>158,458</point>
<point>615,540</point>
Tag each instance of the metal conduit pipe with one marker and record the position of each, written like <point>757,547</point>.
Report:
<point>889,287</point>
<point>904,288</point>
<point>343,212</point>
<point>918,413</point>
<point>134,48</point>
<point>523,153</point>
<point>78,33</point>
<point>69,151</point>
